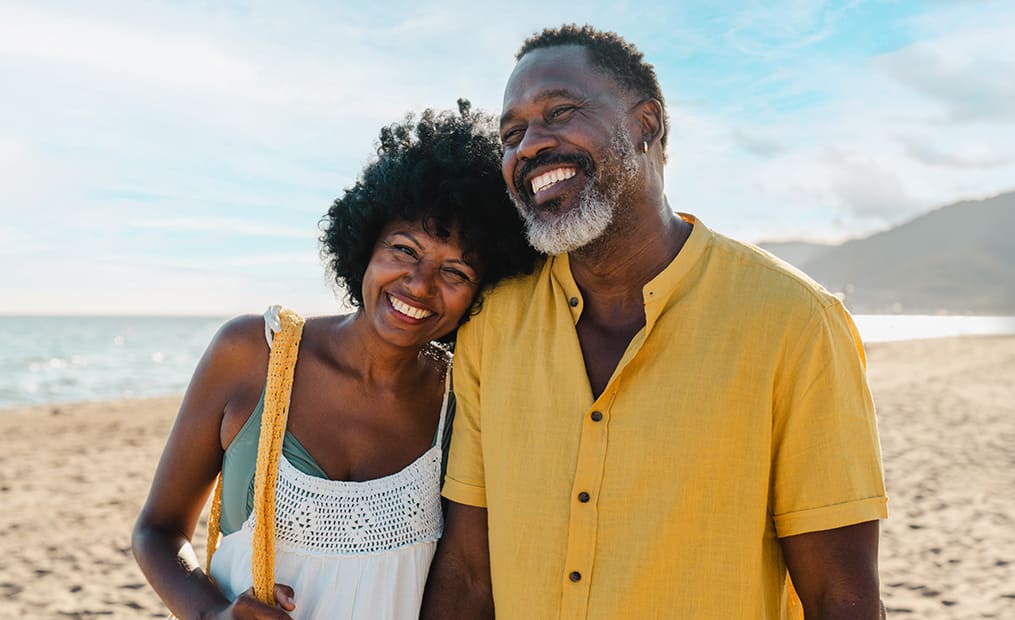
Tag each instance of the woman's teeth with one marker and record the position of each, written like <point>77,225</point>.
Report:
<point>407,310</point>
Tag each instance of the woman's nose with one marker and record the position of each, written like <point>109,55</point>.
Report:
<point>421,280</point>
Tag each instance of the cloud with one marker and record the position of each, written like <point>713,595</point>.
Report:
<point>232,226</point>
<point>290,259</point>
<point>201,142</point>
<point>274,78</point>
<point>136,57</point>
<point>307,264</point>
<point>854,184</point>
<point>130,287</point>
<point>865,188</point>
<point>774,29</point>
<point>884,140</point>
<point>17,242</point>
<point>978,155</point>
<point>756,143</point>
<point>968,74</point>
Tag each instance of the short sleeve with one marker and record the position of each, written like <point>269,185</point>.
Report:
<point>827,469</point>
<point>465,479</point>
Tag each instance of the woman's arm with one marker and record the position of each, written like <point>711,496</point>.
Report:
<point>233,365</point>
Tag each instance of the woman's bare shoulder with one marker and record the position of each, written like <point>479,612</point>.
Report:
<point>238,353</point>
<point>242,332</point>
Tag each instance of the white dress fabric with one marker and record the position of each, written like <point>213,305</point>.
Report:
<point>350,550</point>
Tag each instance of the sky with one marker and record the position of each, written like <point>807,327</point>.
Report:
<point>175,158</point>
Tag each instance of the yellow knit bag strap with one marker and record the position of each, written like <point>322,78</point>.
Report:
<point>281,364</point>
<point>214,530</point>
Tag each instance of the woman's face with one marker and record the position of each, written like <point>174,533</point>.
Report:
<point>417,287</point>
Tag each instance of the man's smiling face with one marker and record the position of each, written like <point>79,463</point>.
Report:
<point>568,155</point>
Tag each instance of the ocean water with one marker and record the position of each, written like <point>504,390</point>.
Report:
<point>66,359</point>
<point>893,327</point>
<point>69,359</point>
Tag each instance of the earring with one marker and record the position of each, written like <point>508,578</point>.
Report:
<point>644,146</point>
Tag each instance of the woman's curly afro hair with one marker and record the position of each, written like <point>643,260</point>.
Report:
<point>443,170</point>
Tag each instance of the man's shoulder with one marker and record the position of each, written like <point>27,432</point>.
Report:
<point>518,290</point>
<point>742,260</point>
<point>508,305</point>
<point>764,295</point>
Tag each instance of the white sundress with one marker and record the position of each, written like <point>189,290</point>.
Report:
<point>349,550</point>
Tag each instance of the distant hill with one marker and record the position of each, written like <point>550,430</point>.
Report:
<point>959,259</point>
<point>796,252</point>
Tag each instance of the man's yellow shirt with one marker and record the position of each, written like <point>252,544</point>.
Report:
<point>739,414</point>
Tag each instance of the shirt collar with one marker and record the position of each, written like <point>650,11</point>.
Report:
<point>656,291</point>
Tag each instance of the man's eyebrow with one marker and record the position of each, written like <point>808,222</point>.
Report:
<point>553,93</point>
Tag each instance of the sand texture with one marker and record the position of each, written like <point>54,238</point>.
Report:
<point>73,477</point>
<point>946,412</point>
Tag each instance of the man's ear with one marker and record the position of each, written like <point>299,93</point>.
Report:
<point>649,115</point>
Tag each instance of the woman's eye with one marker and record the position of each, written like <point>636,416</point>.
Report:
<point>403,251</point>
<point>455,276</point>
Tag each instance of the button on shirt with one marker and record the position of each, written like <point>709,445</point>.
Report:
<point>740,413</point>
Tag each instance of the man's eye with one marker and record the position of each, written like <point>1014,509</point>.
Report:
<point>511,136</point>
<point>561,111</point>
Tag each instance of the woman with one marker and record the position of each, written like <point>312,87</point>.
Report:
<point>415,241</point>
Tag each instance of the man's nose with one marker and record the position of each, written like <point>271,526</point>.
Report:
<point>537,139</point>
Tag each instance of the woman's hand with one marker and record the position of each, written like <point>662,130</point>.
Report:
<point>249,607</point>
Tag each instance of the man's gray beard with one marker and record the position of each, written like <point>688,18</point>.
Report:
<point>597,202</point>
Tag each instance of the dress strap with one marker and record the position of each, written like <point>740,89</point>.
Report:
<point>272,323</point>
<point>444,406</point>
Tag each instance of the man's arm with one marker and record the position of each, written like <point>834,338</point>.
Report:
<point>835,572</point>
<point>459,582</point>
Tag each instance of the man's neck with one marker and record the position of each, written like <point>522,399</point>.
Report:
<point>611,275</point>
<point>636,250</point>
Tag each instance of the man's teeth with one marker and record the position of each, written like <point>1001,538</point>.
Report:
<point>407,310</point>
<point>549,178</point>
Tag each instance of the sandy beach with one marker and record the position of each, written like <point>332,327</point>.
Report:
<point>72,478</point>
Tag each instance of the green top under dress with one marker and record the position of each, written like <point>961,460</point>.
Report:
<point>240,461</point>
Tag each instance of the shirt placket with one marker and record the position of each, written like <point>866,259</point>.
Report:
<point>584,520</point>
<point>583,524</point>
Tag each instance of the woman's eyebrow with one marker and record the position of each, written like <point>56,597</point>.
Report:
<point>460,261</point>
<point>408,236</point>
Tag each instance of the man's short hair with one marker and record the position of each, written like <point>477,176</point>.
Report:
<point>610,52</point>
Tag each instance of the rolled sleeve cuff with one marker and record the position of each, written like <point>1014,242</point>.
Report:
<point>462,493</point>
<point>830,517</point>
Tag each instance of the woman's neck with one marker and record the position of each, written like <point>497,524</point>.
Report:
<point>376,363</point>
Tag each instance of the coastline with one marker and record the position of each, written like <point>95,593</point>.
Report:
<point>73,477</point>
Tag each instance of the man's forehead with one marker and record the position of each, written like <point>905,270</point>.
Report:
<point>573,55</point>
<point>558,70</point>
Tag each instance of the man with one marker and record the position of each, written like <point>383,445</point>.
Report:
<point>661,422</point>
